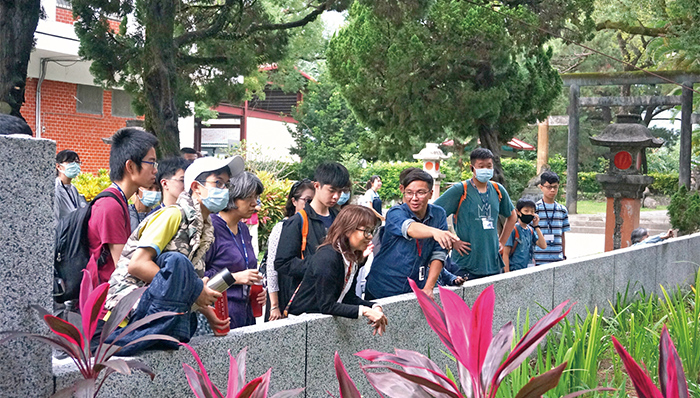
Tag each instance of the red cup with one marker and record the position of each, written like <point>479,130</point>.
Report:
<point>221,311</point>
<point>255,291</point>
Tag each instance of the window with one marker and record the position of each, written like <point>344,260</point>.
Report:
<point>89,99</point>
<point>121,104</point>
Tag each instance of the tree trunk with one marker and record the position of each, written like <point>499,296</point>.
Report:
<point>18,21</point>
<point>489,139</point>
<point>160,77</point>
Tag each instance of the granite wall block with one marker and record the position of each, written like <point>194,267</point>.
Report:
<point>636,267</point>
<point>589,283</point>
<point>675,265</point>
<point>280,346</point>
<point>26,262</point>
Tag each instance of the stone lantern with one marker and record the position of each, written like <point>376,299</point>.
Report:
<point>431,156</point>
<point>625,180</point>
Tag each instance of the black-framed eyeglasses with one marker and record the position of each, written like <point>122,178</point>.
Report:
<point>368,232</point>
<point>154,164</point>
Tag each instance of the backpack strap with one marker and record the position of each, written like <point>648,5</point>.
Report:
<point>515,241</point>
<point>106,194</point>
<point>304,230</point>
<point>464,196</point>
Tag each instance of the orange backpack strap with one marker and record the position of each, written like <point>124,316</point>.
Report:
<point>304,230</point>
<point>464,196</point>
<point>495,186</point>
<point>515,241</point>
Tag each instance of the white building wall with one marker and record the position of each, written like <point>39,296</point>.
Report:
<point>271,138</point>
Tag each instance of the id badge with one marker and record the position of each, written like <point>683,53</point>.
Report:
<point>487,224</point>
<point>421,273</point>
<point>549,237</point>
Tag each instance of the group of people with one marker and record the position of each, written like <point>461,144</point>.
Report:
<point>186,223</point>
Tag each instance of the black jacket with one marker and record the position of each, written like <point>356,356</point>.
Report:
<point>288,263</point>
<point>322,286</point>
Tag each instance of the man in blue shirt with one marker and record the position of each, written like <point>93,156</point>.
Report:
<point>554,221</point>
<point>414,244</point>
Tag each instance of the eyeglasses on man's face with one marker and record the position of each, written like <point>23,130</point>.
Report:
<point>550,187</point>
<point>218,183</point>
<point>420,194</point>
<point>154,164</point>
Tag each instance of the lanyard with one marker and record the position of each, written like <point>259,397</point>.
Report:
<point>121,192</point>
<point>240,246</point>
<point>546,215</point>
<point>483,201</point>
<point>70,196</point>
<point>418,246</point>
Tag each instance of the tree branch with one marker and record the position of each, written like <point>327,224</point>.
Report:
<point>216,26</point>
<point>634,30</point>
<point>289,25</point>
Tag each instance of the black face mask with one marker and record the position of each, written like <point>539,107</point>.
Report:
<point>527,218</point>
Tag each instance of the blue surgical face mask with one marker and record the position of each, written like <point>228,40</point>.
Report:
<point>150,198</point>
<point>344,198</point>
<point>483,175</point>
<point>72,170</point>
<point>217,199</point>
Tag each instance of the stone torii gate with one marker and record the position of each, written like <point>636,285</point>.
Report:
<point>577,80</point>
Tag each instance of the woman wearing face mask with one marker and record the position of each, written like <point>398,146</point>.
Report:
<point>302,192</point>
<point>66,199</point>
<point>328,286</point>
<point>144,201</point>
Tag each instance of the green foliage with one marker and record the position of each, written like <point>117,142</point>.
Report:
<point>90,185</point>
<point>517,173</point>
<point>389,171</point>
<point>448,69</point>
<point>664,159</point>
<point>684,211</point>
<point>327,129</point>
<point>664,183</point>
<point>557,164</point>
<point>273,199</point>
<point>587,183</point>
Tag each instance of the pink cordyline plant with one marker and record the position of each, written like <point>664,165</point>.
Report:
<point>73,337</point>
<point>467,335</point>
<point>671,374</point>
<point>202,387</point>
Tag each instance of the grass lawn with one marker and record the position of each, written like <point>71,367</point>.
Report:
<point>593,207</point>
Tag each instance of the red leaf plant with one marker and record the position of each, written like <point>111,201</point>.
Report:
<point>202,387</point>
<point>467,335</point>
<point>73,337</point>
<point>671,374</point>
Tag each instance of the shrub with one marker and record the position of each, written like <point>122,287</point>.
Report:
<point>517,173</point>
<point>557,164</point>
<point>90,185</point>
<point>390,178</point>
<point>684,211</point>
<point>587,183</point>
<point>664,183</point>
<point>272,200</point>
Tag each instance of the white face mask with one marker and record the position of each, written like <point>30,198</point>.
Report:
<point>72,169</point>
<point>150,198</point>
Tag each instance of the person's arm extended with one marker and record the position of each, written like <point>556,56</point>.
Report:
<point>563,244</point>
<point>433,274</point>
<point>508,228</point>
<point>445,239</point>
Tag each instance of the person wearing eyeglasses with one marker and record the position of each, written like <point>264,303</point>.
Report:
<point>167,255</point>
<point>171,179</point>
<point>554,221</point>
<point>66,198</point>
<point>414,243</point>
<point>328,286</point>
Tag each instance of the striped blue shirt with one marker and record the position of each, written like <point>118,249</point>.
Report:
<point>554,221</point>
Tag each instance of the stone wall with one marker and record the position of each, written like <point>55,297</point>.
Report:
<point>26,255</point>
<point>300,350</point>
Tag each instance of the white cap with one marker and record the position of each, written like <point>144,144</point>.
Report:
<point>209,163</point>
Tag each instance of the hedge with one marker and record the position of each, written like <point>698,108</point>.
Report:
<point>587,182</point>
<point>390,178</point>
<point>517,173</point>
<point>90,185</point>
<point>664,183</point>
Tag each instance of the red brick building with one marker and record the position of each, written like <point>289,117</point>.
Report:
<point>73,111</point>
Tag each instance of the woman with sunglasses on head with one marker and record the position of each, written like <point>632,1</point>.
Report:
<point>301,193</point>
<point>328,286</point>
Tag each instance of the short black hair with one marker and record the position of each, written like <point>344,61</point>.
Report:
<point>550,177</point>
<point>188,150</point>
<point>13,125</point>
<point>333,174</point>
<point>638,235</point>
<point>67,155</point>
<point>481,154</point>
<point>525,203</point>
<point>129,143</point>
<point>405,172</point>
<point>416,175</point>
<point>168,167</point>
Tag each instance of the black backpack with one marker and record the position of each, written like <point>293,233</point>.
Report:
<point>72,251</point>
